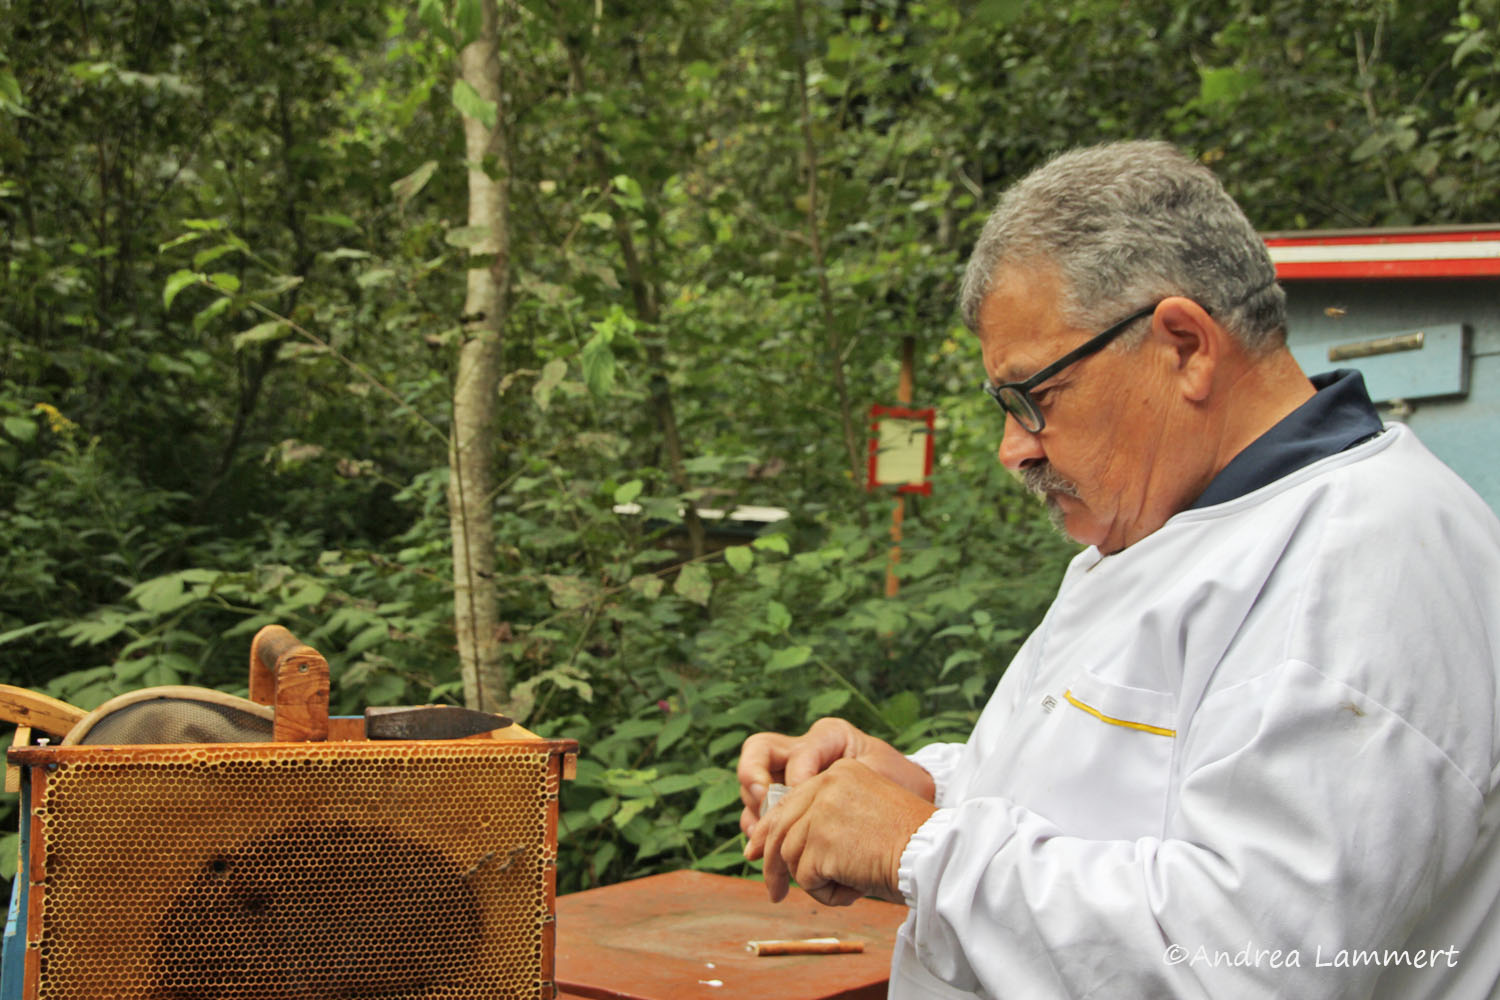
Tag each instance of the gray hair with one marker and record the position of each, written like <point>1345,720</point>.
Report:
<point>1125,224</point>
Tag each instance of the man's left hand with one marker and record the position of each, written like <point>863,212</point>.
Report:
<point>840,835</point>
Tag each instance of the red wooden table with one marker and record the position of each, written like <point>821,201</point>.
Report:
<point>683,935</point>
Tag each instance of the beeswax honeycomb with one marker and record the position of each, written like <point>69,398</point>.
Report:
<point>339,871</point>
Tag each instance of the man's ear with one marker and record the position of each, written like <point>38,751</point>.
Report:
<point>1195,344</point>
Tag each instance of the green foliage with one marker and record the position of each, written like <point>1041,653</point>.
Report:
<point>233,275</point>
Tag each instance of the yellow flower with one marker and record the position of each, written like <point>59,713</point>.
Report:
<point>59,423</point>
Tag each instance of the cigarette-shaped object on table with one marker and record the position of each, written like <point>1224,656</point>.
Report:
<point>805,946</point>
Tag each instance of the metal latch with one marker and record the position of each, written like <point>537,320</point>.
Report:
<point>1380,345</point>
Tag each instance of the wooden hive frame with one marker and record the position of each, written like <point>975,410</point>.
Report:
<point>321,864</point>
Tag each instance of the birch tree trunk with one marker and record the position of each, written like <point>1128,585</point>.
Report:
<point>470,455</point>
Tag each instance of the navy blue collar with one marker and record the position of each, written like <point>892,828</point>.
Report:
<point>1339,416</point>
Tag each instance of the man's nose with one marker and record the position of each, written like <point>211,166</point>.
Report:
<point>1018,446</point>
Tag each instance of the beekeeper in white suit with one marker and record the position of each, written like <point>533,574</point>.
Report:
<point>1252,749</point>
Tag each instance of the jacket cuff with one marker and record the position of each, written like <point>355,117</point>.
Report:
<point>938,760</point>
<point>921,844</point>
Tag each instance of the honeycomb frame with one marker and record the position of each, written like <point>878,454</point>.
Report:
<point>293,871</point>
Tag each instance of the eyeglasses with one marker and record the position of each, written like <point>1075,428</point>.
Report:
<point>1015,397</point>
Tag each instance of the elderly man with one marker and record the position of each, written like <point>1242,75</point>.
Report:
<point>1252,750</point>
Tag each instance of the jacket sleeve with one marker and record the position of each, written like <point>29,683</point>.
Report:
<point>1308,822</point>
<point>939,760</point>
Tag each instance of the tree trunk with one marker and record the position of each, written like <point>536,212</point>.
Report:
<point>475,390</point>
<point>820,266</point>
<point>644,292</point>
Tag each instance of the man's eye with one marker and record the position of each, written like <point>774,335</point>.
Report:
<point>1043,396</point>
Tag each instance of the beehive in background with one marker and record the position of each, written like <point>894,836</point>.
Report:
<point>302,871</point>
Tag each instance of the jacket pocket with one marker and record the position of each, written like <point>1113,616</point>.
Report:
<point>1100,766</point>
<point>1151,712</point>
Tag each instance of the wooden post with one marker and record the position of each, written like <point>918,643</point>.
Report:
<point>898,514</point>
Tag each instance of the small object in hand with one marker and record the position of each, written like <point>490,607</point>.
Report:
<point>805,946</point>
<point>774,794</point>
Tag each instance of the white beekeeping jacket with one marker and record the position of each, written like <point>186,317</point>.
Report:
<point>1252,755</point>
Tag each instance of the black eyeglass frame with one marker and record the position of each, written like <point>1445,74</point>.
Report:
<point>1015,397</point>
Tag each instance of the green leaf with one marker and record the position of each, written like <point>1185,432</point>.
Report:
<point>1372,145</point>
<point>334,219</point>
<point>629,491</point>
<point>262,333</point>
<point>306,596</point>
<point>718,795</point>
<point>432,16</point>
<point>772,543</point>
<point>676,727</point>
<point>649,587</point>
<point>467,100</point>
<point>777,616</point>
<point>785,659</point>
<point>958,658</point>
<point>673,783</point>
<point>166,594</point>
<point>629,810</point>
<point>827,702</point>
<point>1223,84</point>
<point>469,18</point>
<point>726,741</point>
<point>740,557</point>
<point>570,592</point>
<point>102,628</point>
<point>407,187</point>
<point>206,315</point>
<point>179,241</point>
<point>598,363</point>
<point>10,89</point>
<point>552,376</point>
<point>22,632</point>
<point>467,237</point>
<point>720,860</point>
<point>694,583</point>
<point>225,282</point>
<point>176,283</point>
<point>375,276</point>
<point>901,710</point>
<point>10,853</point>
<point>203,258</point>
<point>21,428</point>
<point>1471,42</point>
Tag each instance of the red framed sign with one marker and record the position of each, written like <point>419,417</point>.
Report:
<point>1460,252</point>
<point>901,449</point>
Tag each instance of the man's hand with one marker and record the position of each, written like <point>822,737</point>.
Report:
<point>792,760</point>
<point>839,834</point>
<point>855,802</point>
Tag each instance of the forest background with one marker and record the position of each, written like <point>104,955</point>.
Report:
<point>364,317</point>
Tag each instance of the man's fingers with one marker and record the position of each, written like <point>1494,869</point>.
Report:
<point>752,796</point>
<point>762,759</point>
<point>775,868</point>
<point>825,742</point>
<point>749,816</point>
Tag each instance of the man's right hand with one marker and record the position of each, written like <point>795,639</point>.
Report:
<point>791,760</point>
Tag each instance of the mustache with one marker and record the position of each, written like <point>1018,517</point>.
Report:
<point>1042,479</point>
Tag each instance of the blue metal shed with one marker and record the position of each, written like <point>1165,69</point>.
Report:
<point>1417,311</point>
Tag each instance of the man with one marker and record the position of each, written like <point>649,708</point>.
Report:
<point>1252,749</point>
